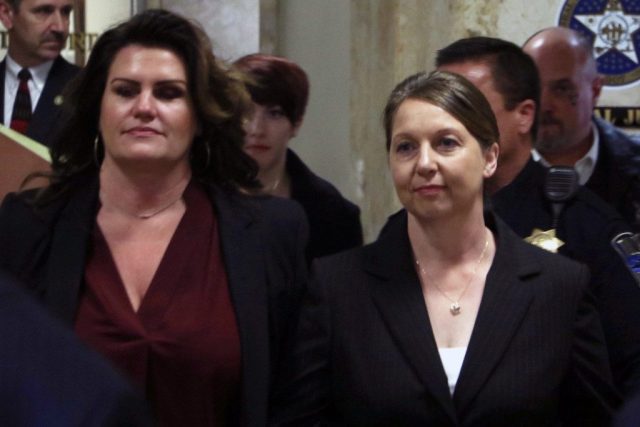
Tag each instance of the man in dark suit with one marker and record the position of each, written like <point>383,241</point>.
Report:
<point>607,160</point>
<point>48,378</point>
<point>38,30</point>
<point>583,231</point>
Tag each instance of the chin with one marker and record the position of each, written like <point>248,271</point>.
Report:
<point>48,54</point>
<point>150,157</point>
<point>263,163</point>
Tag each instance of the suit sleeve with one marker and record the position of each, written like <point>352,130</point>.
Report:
<point>6,229</point>
<point>589,395</point>
<point>617,300</point>
<point>48,377</point>
<point>302,393</point>
<point>19,238</point>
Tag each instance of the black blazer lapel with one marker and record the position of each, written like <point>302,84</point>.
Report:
<point>47,111</point>
<point>242,250</point>
<point>505,302</point>
<point>397,294</point>
<point>68,252</point>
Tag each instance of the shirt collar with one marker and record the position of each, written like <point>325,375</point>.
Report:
<point>535,155</point>
<point>39,73</point>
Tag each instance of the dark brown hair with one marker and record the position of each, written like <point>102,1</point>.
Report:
<point>276,81</point>
<point>455,95</point>
<point>218,95</point>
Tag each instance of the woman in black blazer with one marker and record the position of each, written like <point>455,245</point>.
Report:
<point>143,241</point>
<point>448,318</point>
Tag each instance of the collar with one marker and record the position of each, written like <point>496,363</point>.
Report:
<point>384,263</point>
<point>584,166</point>
<point>587,164</point>
<point>39,73</point>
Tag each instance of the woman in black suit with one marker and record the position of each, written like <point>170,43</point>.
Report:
<point>143,241</point>
<point>448,318</point>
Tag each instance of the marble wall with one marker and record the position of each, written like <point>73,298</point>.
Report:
<point>232,25</point>
<point>389,41</point>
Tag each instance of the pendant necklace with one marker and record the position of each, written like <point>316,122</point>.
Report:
<point>455,307</point>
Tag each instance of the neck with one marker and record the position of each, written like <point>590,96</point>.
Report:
<point>449,240</point>
<point>24,61</point>
<point>141,195</point>
<point>274,180</point>
<point>510,166</point>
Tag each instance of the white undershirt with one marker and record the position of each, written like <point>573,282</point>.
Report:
<point>452,358</point>
<point>39,75</point>
<point>584,166</point>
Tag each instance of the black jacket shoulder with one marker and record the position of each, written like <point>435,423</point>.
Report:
<point>334,222</point>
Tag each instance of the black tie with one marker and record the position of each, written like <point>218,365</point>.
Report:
<point>22,107</point>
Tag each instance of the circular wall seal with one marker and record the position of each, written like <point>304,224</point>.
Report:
<point>613,28</point>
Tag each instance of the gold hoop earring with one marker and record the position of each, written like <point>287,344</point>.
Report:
<point>207,150</point>
<point>96,155</point>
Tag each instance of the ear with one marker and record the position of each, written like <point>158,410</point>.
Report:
<point>490,160</point>
<point>526,116</point>
<point>6,15</point>
<point>596,88</point>
<point>296,128</point>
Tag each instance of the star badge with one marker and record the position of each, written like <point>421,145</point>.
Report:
<point>545,239</point>
<point>613,29</point>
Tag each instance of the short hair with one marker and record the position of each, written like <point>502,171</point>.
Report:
<point>275,80</point>
<point>514,73</point>
<point>455,95</point>
<point>14,4</point>
<point>218,95</point>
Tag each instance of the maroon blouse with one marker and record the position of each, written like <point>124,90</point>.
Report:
<point>182,346</point>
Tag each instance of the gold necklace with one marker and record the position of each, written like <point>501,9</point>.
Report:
<point>147,215</point>
<point>274,186</point>
<point>455,307</point>
<point>140,215</point>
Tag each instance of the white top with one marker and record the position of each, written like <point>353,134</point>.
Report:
<point>38,78</point>
<point>452,358</point>
<point>584,166</point>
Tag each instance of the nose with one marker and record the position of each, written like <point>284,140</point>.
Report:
<point>426,160</point>
<point>144,106</point>
<point>255,124</point>
<point>59,22</point>
<point>547,100</point>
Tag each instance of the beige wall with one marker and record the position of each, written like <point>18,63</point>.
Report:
<point>232,25</point>
<point>315,34</point>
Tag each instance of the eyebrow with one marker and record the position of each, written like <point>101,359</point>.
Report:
<point>438,133</point>
<point>563,80</point>
<point>50,8</point>
<point>168,81</point>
